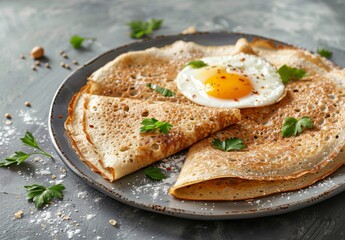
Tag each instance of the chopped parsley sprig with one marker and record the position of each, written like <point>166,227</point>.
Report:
<point>293,126</point>
<point>42,195</point>
<point>164,91</point>
<point>77,41</point>
<point>196,64</point>
<point>289,73</point>
<point>140,29</point>
<point>19,157</point>
<point>230,144</point>
<point>154,173</point>
<point>324,53</point>
<point>152,125</point>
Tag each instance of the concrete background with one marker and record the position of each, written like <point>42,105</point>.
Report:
<point>84,213</point>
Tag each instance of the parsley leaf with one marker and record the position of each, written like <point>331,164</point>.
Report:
<point>289,73</point>
<point>30,141</point>
<point>293,126</point>
<point>229,144</point>
<point>140,29</point>
<point>324,53</point>
<point>76,41</point>
<point>154,173</point>
<point>165,92</point>
<point>42,195</point>
<point>16,158</point>
<point>152,124</point>
<point>196,64</point>
<point>19,156</point>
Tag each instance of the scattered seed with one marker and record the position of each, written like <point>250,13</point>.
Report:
<point>8,122</point>
<point>28,104</point>
<point>67,66</point>
<point>19,214</point>
<point>37,52</point>
<point>33,67</point>
<point>22,56</point>
<point>189,30</point>
<point>62,64</point>
<point>75,62</point>
<point>47,65</point>
<point>112,222</point>
<point>66,218</point>
<point>62,52</point>
<point>37,63</point>
<point>53,176</point>
<point>64,55</point>
<point>58,213</point>
<point>8,116</point>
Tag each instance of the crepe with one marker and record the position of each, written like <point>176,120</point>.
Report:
<point>74,126</point>
<point>269,159</point>
<point>241,189</point>
<point>105,131</point>
<point>128,74</point>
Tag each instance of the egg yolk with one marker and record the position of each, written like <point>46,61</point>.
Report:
<point>224,85</point>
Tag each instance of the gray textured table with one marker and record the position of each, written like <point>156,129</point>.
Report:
<point>84,212</point>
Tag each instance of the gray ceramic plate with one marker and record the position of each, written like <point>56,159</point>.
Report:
<point>138,191</point>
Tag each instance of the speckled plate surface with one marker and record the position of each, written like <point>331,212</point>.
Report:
<point>138,191</point>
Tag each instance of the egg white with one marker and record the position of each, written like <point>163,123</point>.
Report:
<point>268,87</point>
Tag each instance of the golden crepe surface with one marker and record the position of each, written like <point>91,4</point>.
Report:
<point>212,174</point>
<point>241,189</point>
<point>113,124</point>
<point>75,129</point>
<point>105,131</point>
<point>128,74</point>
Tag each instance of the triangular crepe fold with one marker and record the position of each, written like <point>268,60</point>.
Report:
<point>75,129</point>
<point>111,128</point>
<point>220,189</point>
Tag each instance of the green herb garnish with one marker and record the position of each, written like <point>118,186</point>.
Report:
<point>152,124</point>
<point>229,144</point>
<point>289,73</point>
<point>76,41</point>
<point>325,53</point>
<point>196,64</point>
<point>154,173</point>
<point>293,126</point>
<point>19,156</point>
<point>165,92</point>
<point>140,29</point>
<point>42,195</point>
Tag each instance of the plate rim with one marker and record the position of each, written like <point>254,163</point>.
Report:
<point>267,211</point>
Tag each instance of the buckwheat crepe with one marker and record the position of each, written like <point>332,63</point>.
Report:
<point>105,131</point>
<point>274,163</point>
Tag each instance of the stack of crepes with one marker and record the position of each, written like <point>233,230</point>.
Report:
<point>104,122</point>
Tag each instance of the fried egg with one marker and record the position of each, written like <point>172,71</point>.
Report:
<point>237,81</point>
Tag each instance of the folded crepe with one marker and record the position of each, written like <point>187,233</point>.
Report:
<point>105,131</point>
<point>241,189</point>
<point>271,163</point>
